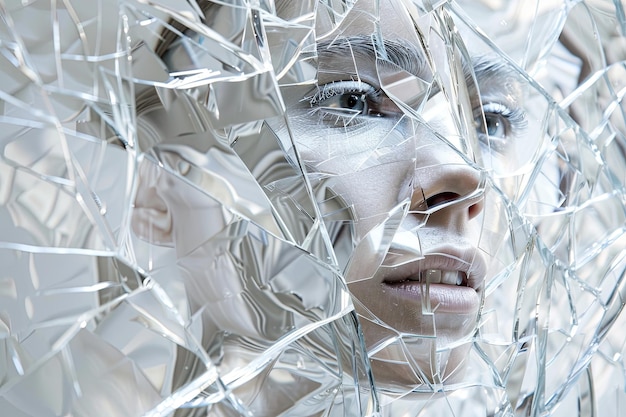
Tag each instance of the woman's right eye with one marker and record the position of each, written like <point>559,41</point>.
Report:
<point>355,101</point>
<point>343,103</point>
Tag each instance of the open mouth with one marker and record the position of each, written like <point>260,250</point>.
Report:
<point>434,297</point>
<point>437,276</point>
<point>441,282</point>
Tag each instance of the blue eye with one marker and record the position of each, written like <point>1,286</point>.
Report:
<point>496,126</point>
<point>497,121</point>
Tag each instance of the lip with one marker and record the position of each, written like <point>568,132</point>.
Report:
<point>464,298</point>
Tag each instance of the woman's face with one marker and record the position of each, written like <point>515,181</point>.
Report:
<point>403,140</point>
<point>391,130</point>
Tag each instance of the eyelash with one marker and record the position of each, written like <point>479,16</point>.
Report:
<point>514,119</point>
<point>326,102</point>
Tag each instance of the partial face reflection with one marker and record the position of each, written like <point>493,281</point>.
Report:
<point>405,141</point>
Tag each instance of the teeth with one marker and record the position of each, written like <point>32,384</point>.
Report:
<point>452,278</point>
<point>433,276</point>
<point>437,276</point>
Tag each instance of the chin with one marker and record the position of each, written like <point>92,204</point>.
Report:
<point>424,354</point>
<point>419,367</point>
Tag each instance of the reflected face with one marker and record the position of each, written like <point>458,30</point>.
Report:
<point>396,133</point>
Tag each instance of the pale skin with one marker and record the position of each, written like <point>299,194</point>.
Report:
<point>387,150</point>
<point>396,161</point>
<point>385,160</point>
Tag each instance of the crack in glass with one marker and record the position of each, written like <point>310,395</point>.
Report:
<point>312,208</point>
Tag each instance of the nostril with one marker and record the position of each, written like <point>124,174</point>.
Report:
<point>440,199</point>
<point>476,208</point>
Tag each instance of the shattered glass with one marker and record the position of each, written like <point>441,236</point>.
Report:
<point>312,208</point>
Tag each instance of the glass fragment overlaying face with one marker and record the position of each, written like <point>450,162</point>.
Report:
<point>403,126</point>
<point>375,130</point>
<point>324,207</point>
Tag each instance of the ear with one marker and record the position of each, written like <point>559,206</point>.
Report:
<point>151,218</point>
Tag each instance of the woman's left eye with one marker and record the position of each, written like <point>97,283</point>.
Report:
<point>495,126</point>
<point>498,122</point>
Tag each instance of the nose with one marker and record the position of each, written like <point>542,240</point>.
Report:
<point>447,188</point>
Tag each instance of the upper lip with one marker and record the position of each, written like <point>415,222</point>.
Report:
<point>446,258</point>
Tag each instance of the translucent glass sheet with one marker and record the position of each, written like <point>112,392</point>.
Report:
<point>312,208</point>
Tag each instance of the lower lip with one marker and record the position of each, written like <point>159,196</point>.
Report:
<point>443,298</point>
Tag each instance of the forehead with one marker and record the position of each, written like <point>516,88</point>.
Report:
<point>389,18</point>
<point>386,18</point>
<point>387,31</point>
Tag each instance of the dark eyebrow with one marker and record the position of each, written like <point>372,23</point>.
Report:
<point>487,66</point>
<point>492,73</point>
<point>398,53</point>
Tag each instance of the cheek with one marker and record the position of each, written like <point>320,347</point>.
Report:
<point>333,149</point>
<point>371,193</point>
<point>367,165</point>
